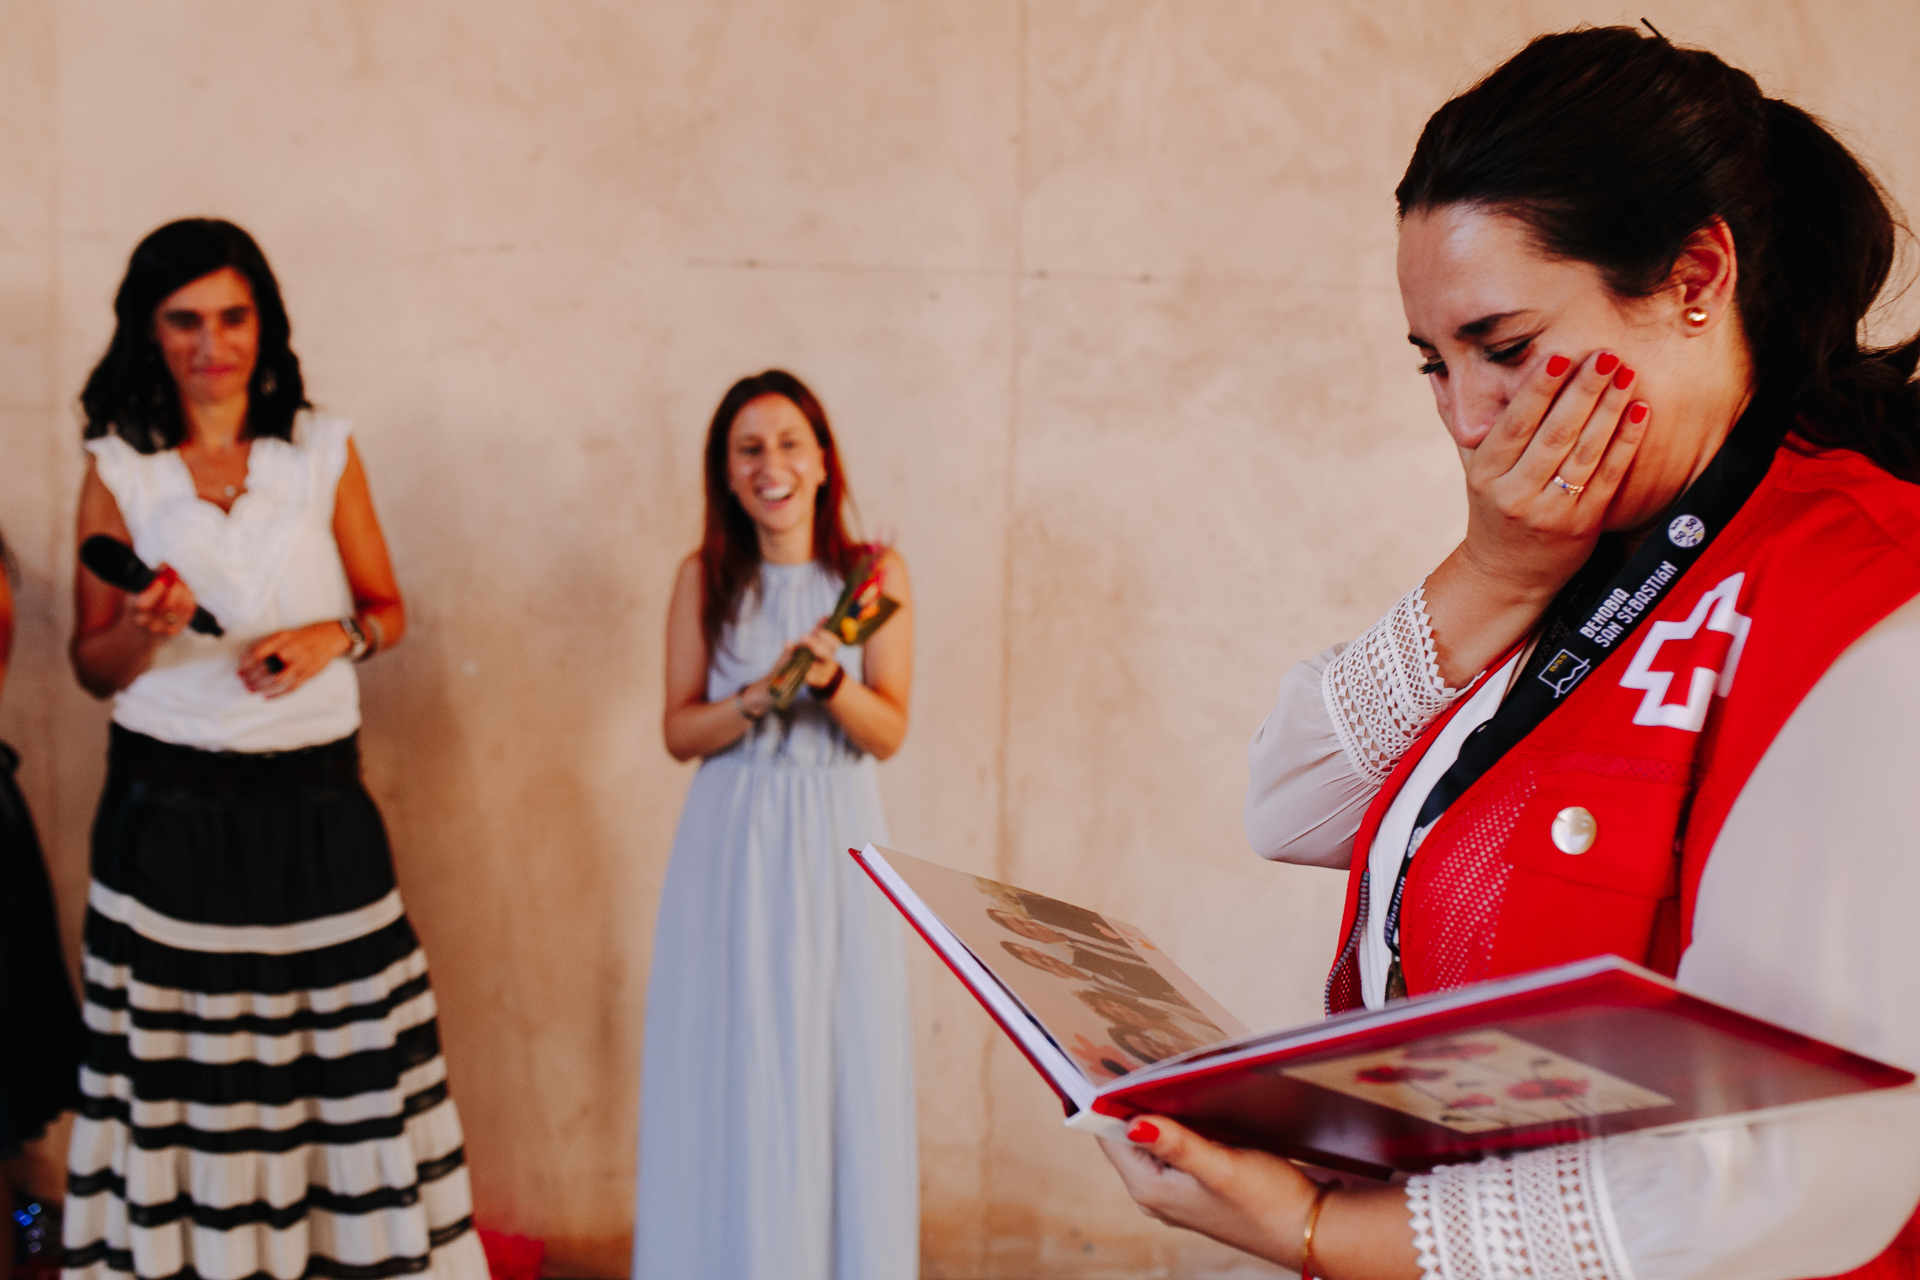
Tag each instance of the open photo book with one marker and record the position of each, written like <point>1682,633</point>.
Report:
<point>1594,1047</point>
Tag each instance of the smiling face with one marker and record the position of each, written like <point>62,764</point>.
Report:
<point>1485,308</point>
<point>1024,927</point>
<point>775,466</point>
<point>209,336</point>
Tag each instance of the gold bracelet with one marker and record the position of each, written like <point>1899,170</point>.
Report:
<point>1313,1220</point>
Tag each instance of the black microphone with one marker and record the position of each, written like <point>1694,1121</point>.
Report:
<point>114,563</point>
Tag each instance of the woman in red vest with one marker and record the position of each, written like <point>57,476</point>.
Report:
<point>1658,703</point>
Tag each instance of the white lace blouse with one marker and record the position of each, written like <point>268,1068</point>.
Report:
<point>1806,916</point>
<point>268,565</point>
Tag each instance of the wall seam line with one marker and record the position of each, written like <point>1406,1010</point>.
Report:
<point>1003,843</point>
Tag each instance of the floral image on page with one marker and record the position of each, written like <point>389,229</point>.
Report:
<point>1480,1082</point>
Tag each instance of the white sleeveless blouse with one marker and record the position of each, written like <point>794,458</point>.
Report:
<point>269,565</point>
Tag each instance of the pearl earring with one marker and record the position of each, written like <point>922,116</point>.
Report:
<point>1696,316</point>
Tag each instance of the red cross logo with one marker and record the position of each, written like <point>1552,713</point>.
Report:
<point>1705,647</point>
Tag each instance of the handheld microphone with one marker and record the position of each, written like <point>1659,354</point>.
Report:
<point>114,563</point>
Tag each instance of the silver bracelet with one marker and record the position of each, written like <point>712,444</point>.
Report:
<point>357,645</point>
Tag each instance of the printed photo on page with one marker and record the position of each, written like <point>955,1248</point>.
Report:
<point>1480,1082</point>
<point>1110,999</point>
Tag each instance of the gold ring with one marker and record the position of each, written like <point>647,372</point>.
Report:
<point>1573,490</point>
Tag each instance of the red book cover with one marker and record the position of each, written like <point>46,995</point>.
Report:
<point>1594,1047</point>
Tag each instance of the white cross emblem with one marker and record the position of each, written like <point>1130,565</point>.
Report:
<point>1712,667</point>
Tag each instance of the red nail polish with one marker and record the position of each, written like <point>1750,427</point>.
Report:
<point>1145,1131</point>
<point>1637,414</point>
<point>1623,379</point>
<point>1557,366</point>
<point>1606,364</point>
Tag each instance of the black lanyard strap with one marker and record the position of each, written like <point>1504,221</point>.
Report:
<point>1592,616</point>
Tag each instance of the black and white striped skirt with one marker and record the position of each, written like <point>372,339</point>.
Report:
<point>262,1093</point>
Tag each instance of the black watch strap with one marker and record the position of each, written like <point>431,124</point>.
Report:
<point>825,692</point>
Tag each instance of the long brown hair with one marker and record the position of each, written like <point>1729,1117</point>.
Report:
<point>730,547</point>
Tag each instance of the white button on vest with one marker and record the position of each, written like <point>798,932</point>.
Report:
<point>1574,830</point>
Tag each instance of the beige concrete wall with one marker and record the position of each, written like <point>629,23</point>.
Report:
<point>1100,294</point>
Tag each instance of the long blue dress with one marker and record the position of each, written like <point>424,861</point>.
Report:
<point>777,1133</point>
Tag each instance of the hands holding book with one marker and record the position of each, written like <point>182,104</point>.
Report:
<point>1262,1204</point>
<point>1439,1079</point>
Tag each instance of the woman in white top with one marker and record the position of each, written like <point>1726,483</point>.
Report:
<point>1636,285</point>
<point>263,1091</point>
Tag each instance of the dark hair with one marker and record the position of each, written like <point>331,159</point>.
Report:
<point>1615,148</point>
<point>131,394</point>
<point>730,547</point>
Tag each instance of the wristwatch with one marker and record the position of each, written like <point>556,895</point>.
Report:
<point>825,692</point>
<point>356,638</point>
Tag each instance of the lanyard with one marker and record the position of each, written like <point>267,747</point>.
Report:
<point>1592,616</point>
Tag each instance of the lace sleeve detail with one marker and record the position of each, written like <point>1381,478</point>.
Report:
<point>1540,1216</point>
<point>1385,688</point>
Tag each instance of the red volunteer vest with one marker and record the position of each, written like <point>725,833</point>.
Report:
<point>1656,743</point>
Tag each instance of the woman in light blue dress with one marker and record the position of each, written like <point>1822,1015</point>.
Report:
<point>777,1134</point>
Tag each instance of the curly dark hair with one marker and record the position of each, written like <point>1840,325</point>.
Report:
<point>1614,148</point>
<point>131,394</point>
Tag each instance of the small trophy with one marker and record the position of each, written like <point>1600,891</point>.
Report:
<point>861,611</point>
